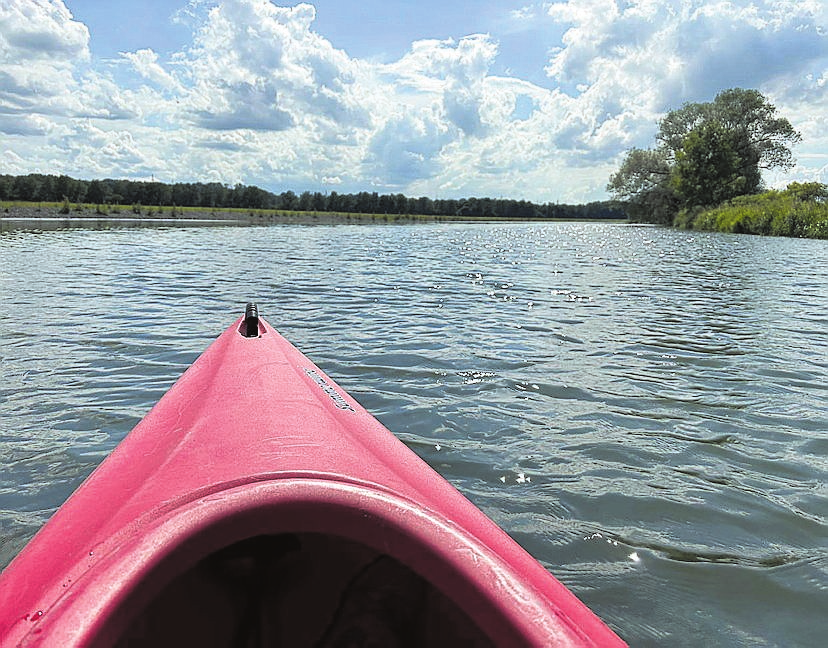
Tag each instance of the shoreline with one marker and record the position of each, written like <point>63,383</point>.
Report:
<point>34,217</point>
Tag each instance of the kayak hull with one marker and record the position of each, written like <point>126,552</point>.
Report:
<point>257,463</point>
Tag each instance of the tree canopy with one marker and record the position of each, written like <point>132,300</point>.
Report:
<point>37,187</point>
<point>705,154</point>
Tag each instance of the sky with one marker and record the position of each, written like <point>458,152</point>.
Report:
<point>498,98</point>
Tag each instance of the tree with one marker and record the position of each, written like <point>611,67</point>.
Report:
<point>385,204</point>
<point>95,192</point>
<point>288,201</point>
<point>808,191</point>
<point>6,187</point>
<point>643,182</point>
<point>62,185</point>
<point>318,203</point>
<point>710,167</point>
<point>305,201</point>
<point>706,153</point>
<point>25,187</point>
<point>335,202</point>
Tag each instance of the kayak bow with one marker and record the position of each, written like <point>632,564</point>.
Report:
<point>259,504</point>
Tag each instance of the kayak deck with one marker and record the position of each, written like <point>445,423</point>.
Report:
<point>258,499</point>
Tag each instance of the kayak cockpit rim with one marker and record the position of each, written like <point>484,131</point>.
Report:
<point>504,610</point>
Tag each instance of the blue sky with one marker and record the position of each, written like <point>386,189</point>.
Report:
<point>535,100</point>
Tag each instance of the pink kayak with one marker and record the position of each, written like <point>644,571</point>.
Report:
<point>257,504</point>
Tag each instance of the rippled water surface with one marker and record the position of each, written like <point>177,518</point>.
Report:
<point>645,410</point>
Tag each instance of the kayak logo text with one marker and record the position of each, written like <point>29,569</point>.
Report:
<point>336,397</point>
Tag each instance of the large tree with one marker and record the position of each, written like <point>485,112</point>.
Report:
<point>706,153</point>
<point>712,167</point>
<point>643,183</point>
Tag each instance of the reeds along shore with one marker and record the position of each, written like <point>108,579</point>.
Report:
<point>793,212</point>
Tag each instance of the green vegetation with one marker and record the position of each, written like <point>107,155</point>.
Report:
<point>707,154</point>
<point>114,211</point>
<point>801,210</point>
<point>215,196</point>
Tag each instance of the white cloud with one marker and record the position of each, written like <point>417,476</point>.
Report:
<point>13,164</point>
<point>45,74</point>
<point>436,95</point>
<point>106,152</point>
<point>230,141</point>
<point>405,148</point>
<point>41,30</point>
<point>25,125</point>
<point>648,57</point>
<point>145,62</point>
<point>464,93</point>
<point>259,66</point>
<point>524,14</point>
<point>39,45</point>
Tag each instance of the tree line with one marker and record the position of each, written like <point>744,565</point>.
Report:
<point>36,187</point>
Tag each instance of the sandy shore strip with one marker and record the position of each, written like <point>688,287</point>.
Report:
<point>27,217</point>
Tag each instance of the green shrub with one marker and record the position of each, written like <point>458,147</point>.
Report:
<point>801,211</point>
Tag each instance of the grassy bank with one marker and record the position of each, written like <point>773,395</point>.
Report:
<point>22,209</point>
<point>64,210</point>
<point>800,211</point>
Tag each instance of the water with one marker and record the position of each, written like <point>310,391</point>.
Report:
<point>643,409</point>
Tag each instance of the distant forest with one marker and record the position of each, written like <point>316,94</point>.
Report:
<point>36,187</point>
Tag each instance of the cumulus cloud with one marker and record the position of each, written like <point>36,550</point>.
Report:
<point>145,62</point>
<point>25,125</point>
<point>244,105</point>
<point>625,61</point>
<point>232,141</point>
<point>463,95</point>
<point>45,73</point>
<point>404,149</point>
<point>39,45</point>
<point>436,95</point>
<point>106,152</point>
<point>256,65</point>
<point>454,70</point>
<point>41,30</point>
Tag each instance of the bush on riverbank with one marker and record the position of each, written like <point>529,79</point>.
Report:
<point>801,211</point>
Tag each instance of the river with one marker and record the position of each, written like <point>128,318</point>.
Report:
<point>645,410</point>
